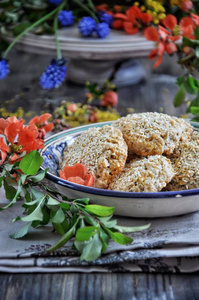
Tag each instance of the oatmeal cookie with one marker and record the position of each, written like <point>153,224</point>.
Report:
<point>185,162</point>
<point>153,133</point>
<point>144,175</point>
<point>102,150</point>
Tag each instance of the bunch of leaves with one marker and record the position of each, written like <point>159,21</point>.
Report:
<point>189,83</point>
<point>91,226</point>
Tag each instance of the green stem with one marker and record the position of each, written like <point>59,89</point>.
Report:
<point>186,58</point>
<point>92,6</point>
<point>59,56</point>
<point>30,28</point>
<point>87,9</point>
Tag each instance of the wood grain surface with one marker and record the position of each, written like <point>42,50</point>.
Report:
<point>118,286</point>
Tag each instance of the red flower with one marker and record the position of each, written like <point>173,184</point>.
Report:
<point>102,7</point>
<point>135,19</point>
<point>72,107</point>
<point>3,150</point>
<point>132,21</point>
<point>77,173</point>
<point>195,18</point>
<point>167,35</point>
<point>10,128</point>
<point>42,124</point>
<point>186,27</point>
<point>110,99</point>
<point>28,139</point>
<point>186,5</point>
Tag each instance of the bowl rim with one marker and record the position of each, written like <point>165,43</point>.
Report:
<point>103,192</point>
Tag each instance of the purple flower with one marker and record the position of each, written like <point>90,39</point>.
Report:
<point>4,68</point>
<point>105,17</point>
<point>66,17</point>
<point>102,29</point>
<point>86,26</point>
<point>55,2</point>
<point>54,74</point>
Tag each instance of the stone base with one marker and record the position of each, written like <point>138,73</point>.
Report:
<point>130,72</point>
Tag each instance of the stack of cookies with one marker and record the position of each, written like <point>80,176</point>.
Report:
<point>144,152</point>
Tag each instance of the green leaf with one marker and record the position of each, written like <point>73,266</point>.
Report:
<point>194,110</point>
<point>190,86</point>
<point>197,51</point>
<point>46,215</point>
<point>80,245</point>
<point>32,203</point>
<point>39,176</point>
<point>195,102</point>
<point>65,206</point>
<point>10,191</point>
<point>36,215</point>
<point>189,43</point>
<point>179,97</point>
<point>196,33</point>
<point>90,220</point>
<point>67,236</point>
<point>107,223</point>
<point>31,163</point>
<point>132,229</point>
<point>1,180</point>
<point>36,194</point>
<point>180,80</point>
<point>21,232</point>
<point>99,210</point>
<point>21,27</point>
<point>59,217</point>
<point>105,239</point>
<point>119,237</point>
<point>92,250</point>
<point>82,201</point>
<point>52,202</point>
<point>85,233</point>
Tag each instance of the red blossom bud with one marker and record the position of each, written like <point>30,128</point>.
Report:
<point>186,6</point>
<point>110,99</point>
<point>72,107</point>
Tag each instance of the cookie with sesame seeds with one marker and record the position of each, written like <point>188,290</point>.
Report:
<point>153,133</point>
<point>185,162</point>
<point>146,174</point>
<point>102,150</point>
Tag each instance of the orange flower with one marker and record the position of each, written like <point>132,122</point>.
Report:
<point>42,124</point>
<point>28,139</point>
<point>77,173</point>
<point>135,20</point>
<point>110,99</point>
<point>185,28</point>
<point>102,7</point>
<point>10,128</point>
<point>195,18</point>
<point>3,150</point>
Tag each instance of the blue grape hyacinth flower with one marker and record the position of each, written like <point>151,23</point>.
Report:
<point>86,26</point>
<point>105,17</point>
<point>66,17</point>
<point>4,68</point>
<point>54,74</point>
<point>102,29</point>
<point>55,2</point>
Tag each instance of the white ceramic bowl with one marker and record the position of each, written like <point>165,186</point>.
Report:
<point>131,204</point>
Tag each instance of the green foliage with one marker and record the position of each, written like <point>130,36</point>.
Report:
<point>31,163</point>
<point>91,226</point>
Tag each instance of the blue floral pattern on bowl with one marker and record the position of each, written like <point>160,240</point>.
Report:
<point>53,156</point>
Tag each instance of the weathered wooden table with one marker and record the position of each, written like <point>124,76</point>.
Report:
<point>154,94</point>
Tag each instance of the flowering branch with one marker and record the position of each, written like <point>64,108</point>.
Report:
<point>20,162</point>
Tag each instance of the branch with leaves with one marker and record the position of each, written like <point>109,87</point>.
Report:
<point>90,226</point>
